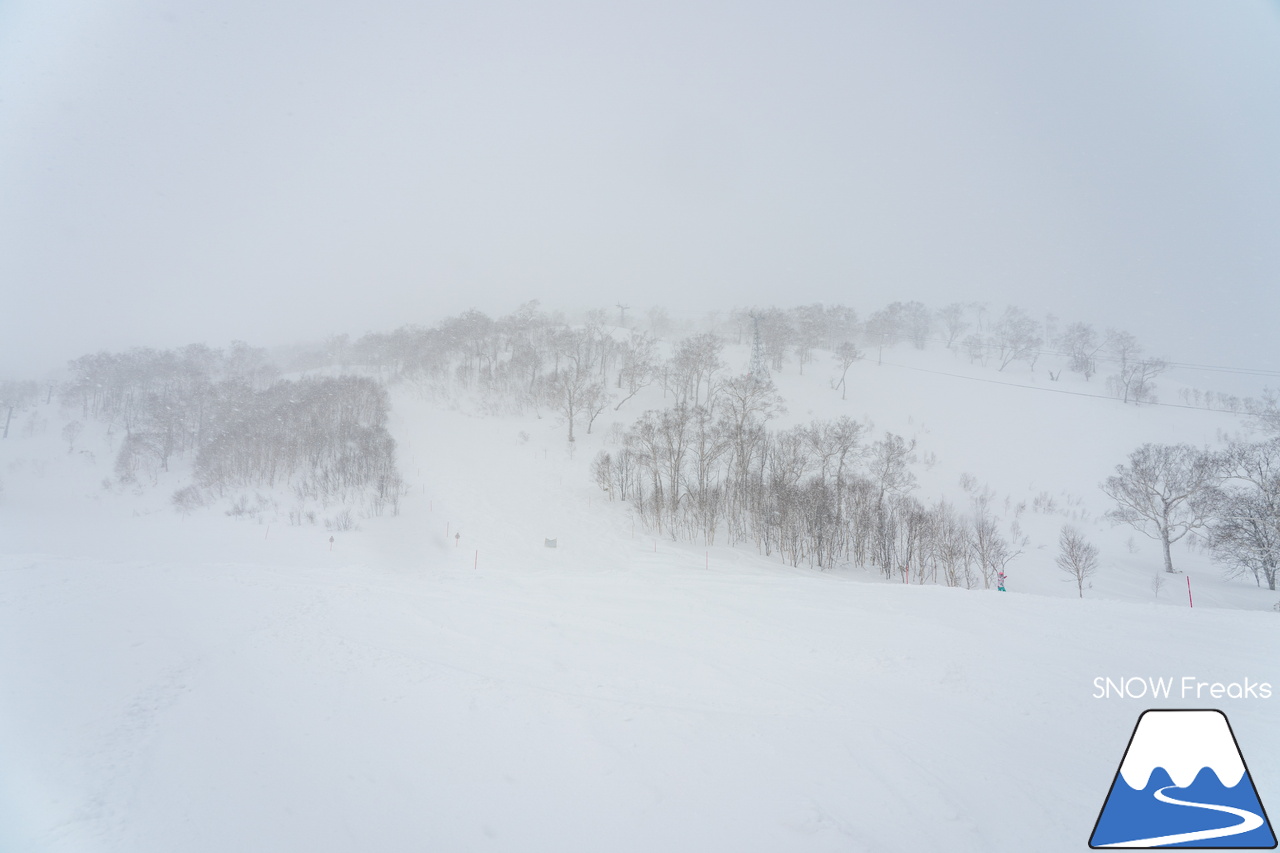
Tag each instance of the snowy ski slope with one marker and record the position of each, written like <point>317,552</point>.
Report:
<point>211,684</point>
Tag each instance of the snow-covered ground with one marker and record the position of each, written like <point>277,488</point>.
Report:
<point>211,684</point>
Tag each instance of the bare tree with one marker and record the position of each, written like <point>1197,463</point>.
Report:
<point>15,396</point>
<point>951,547</point>
<point>1015,338</point>
<point>992,550</point>
<point>568,391</point>
<point>675,438</point>
<point>890,465</point>
<point>70,433</point>
<point>707,445</point>
<point>639,366</point>
<point>325,438</point>
<point>1076,556</point>
<point>776,335</point>
<point>841,324</point>
<point>1135,380</point>
<point>660,324</point>
<point>695,363</point>
<point>1266,412</point>
<point>595,399</point>
<point>602,472</point>
<point>1163,492</point>
<point>953,322</point>
<point>916,322</point>
<point>1051,327</point>
<point>1121,346</point>
<point>1244,533</point>
<point>1080,342</point>
<point>572,385</point>
<point>746,404</point>
<point>1130,381</point>
<point>883,328</point>
<point>809,325</point>
<point>978,348</point>
<point>846,355</point>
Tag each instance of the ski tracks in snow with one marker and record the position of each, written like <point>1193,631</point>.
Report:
<point>118,766</point>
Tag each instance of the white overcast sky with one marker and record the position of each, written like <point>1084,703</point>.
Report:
<point>271,171</point>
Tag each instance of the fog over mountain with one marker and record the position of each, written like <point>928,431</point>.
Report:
<point>270,172</point>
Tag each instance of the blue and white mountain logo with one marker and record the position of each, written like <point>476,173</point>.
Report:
<point>1183,783</point>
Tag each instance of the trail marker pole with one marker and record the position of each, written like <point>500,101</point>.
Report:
<point>476,562</point>
<point>1190,602</point>
<point>268,533</point>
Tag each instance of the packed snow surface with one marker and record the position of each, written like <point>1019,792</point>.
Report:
<point>443,681</point>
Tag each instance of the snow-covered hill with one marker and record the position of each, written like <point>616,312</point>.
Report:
<point>442,680</point>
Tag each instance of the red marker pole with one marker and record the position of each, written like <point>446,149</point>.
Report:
<point>1189,600</point>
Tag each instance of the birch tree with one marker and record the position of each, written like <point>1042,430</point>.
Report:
<point>1162,492</point>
